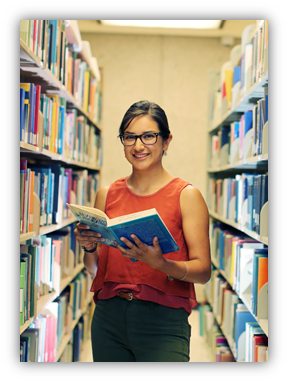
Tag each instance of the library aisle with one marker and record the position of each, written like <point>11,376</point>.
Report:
<point>199,351</point>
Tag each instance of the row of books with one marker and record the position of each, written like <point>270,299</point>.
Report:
<point>241,139</point>
<point>40,342</point>
<point>233,316</point>
<point>80,334</point>
<point>239,199</point>
<point>219,348</point>
<point>55,186</point>
<point>47,40</point>
<point>44,261</point>
<point>81,142</point>
<point>248,62</point>
<point>61,130</point>
<point>244,263</point>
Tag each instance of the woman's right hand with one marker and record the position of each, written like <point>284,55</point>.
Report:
<point>86,237</point>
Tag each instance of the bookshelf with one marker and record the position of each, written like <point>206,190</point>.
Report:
<point>60,159</point>
<point>236,312</point>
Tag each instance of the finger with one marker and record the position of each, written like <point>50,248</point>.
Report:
<point>126,252</point>
<point>138,242</point>
<point>89,233</point>
<point>82,226</point>
<point>156,244</point>
<point>127,242</point>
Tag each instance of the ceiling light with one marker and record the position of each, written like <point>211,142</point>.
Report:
<point>196,24</point>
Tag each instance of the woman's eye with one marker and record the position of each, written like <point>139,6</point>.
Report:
<point>148,136</point>
<point>129,137</point>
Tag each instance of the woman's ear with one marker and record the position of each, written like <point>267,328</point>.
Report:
<point>166,143</point>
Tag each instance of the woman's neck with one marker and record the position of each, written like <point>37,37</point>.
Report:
<point>142,183</point>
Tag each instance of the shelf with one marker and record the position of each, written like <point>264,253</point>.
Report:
<point>262,322</point>
<point>44,154</point>
<point>31,66</point>
<point>254,235</point>
<point>245,299</point>
<point>27,236</point>
<point>27,57</point>
<point>246,103</point>
<point>248,163</point>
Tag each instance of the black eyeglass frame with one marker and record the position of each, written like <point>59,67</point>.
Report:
<point>121,136</point>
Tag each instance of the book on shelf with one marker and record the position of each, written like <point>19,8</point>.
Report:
<point>144,224</point>
<point>29,352</point>
<point>28,288</point>
<point>55,186</point>
<point>242,316</point>
<point>240,199</point>
<point>248,63</point>
<point>259,286</point>
<point>48,41</point>
<point>255,338</point>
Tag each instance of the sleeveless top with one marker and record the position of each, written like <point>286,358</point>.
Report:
<point>116,273</point>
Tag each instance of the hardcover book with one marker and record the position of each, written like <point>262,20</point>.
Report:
<point>144,224</point>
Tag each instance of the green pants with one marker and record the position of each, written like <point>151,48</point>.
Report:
<point>139,331</point>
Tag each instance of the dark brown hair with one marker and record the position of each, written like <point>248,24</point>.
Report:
<point>146,108</point>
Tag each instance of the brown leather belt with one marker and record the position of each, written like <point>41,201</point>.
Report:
<point>127,295</point>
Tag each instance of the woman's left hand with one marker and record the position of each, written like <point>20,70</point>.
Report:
<point>149,254</point>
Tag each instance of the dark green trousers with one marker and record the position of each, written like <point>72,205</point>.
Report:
<point>139,331</point>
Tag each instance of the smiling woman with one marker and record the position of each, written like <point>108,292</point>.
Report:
<point>152,297</point>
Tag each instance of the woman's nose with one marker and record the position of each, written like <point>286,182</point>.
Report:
<point>138,144</point>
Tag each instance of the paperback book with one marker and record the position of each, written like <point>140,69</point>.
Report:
<point>144,224</point>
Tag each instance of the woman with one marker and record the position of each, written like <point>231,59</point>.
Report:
<point>142,307</point>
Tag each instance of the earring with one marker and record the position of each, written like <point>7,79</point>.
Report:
<point>165,152</point>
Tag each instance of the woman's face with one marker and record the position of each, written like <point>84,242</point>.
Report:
<point>141,156</point>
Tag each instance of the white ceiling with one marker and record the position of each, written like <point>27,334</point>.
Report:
<point>233,28</point>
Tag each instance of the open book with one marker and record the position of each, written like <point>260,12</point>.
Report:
<point>144,224</point>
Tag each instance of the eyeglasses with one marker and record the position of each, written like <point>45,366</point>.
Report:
<point>146,139</point>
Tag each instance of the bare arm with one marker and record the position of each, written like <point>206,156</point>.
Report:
<point>89,238</point>
<point>195,222</point>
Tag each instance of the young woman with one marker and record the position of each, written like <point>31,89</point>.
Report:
<point>142,307</point>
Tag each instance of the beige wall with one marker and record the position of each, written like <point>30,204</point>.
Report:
<point>171,71</point>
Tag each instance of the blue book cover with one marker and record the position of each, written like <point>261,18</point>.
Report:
<point>264,191</point>
<point>22,111</point>
<point>250,202</point>
<point>47,172</point>
<point>62,119</point>
<point>241,318</point>
<point>33,112</point>
<point>221,250</point>
<point>248,121</point>
<point>144,224</point>
<point>30,115</point>
<point>54,45</point>
<point>236,74</point>
<point>236,130</point>
<point>266,108</point>
<point>225,138</point>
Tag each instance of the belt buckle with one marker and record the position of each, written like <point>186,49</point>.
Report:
<point>130,298</point>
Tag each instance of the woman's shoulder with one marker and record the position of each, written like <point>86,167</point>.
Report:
<point>191,199</point>
<point>191,192</point>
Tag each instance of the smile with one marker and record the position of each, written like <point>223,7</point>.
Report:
<point>140,156</point>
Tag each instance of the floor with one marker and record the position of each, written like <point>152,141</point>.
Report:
<point>199,351</point>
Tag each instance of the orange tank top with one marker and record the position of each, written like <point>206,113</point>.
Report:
<point>116,273</point>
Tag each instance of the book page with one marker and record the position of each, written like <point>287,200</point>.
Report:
<point>130,217</point>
